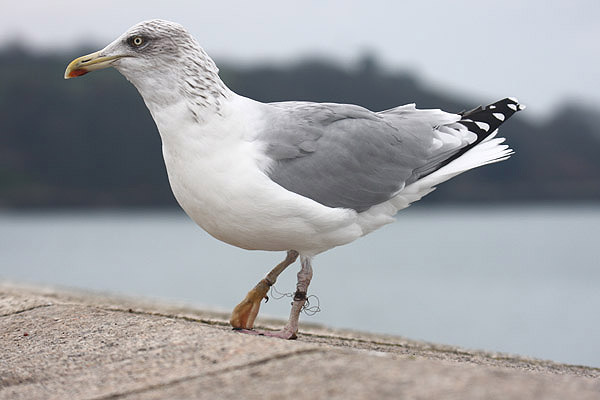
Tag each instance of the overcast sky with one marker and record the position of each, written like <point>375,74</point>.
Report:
<point>541,51</point>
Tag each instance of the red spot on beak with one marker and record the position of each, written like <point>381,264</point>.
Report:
<point>77,72</point>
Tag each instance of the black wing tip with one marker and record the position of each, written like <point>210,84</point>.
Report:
<point>507,107</point>
<point>485,120</point>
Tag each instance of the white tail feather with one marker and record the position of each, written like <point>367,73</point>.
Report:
<point>489,151</point>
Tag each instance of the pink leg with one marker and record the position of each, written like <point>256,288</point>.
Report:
<point>291,328</point>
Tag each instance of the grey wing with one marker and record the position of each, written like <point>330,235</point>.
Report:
<point>347,156</point>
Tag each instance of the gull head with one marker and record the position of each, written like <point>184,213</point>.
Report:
<point>144,48</point>
<point>162,60</point>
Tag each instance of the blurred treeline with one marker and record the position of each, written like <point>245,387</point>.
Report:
<point>91,142</point>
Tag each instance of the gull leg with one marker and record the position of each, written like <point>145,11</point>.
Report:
<point>304,277</point>
<point>245,313</point>
<point>291,328</point>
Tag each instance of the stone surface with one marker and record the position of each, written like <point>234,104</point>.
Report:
<point>63,344</point>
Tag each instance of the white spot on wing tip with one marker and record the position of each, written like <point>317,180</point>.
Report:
<point>499,116</point>
<point>514,99</point>
<point>492,107</point>
<point>512,106</point>
<point>522,107</point>
<point>482,125</point>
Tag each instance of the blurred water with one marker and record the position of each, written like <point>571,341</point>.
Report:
<point>521,280</point>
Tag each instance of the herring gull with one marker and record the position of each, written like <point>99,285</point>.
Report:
<point>292,176</point>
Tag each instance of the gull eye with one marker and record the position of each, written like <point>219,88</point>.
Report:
<point>136,41</point>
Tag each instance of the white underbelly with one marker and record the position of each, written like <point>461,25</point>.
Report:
<point>228,196</point>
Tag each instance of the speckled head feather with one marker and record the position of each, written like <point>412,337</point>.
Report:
<point>158,54</point>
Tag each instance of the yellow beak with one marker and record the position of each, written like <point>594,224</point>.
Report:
<point>84,64</point>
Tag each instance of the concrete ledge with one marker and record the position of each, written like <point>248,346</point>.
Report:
<point>66,344</point>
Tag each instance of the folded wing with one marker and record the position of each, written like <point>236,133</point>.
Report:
<point>347,156</point>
